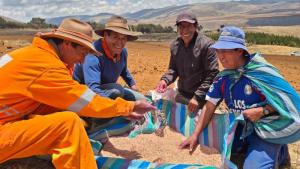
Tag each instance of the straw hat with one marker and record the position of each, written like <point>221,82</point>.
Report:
<point>73,30</point>
<point>118,24</point>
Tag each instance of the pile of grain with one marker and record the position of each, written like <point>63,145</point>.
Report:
<point>165,149</point>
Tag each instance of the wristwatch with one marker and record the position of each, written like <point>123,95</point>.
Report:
<point>266,111</point>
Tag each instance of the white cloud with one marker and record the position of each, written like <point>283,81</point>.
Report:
<point>24,10</point>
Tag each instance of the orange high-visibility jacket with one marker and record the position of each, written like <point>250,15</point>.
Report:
<point>35,75</point>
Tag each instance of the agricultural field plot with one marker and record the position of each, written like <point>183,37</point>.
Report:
<point>147,61</point>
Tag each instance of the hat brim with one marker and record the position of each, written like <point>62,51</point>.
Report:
<point>132,36</point>
<point>228,45</point>
<point>69,37</point>
<point>185,20</point>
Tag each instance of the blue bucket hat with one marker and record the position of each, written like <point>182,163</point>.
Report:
<point>231,37</point>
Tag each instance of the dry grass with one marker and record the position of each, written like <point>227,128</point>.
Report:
<point>277,30</point>
<point>273,49</point>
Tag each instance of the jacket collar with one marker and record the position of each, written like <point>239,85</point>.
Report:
<point>45,45</point>
<point>107,52</point>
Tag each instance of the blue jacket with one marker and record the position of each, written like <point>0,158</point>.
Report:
<point>96,71</point>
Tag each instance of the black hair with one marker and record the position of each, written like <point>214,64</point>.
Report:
<point>244,51</point>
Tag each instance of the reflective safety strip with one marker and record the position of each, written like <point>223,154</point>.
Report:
<point>4,110</point>
<point>4,60</point>
<point>8,111</point>
<point>84,99</point>
<point>13,110</point>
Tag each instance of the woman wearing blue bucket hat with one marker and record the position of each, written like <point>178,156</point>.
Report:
<point>253,89</point>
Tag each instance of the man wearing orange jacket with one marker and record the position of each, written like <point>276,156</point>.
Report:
<point>40,104</point>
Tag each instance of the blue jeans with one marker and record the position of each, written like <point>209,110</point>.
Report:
<point>114,90</point>
<point>259,154</point>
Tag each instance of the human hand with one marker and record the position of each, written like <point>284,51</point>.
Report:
<point>190,142</point>
<point>193,105</point>
<point>253,114</point>
<point>161,87</point>
<point>140,108</point>
<point>135,88</point>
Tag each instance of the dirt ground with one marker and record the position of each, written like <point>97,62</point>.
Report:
<point>147,61</point>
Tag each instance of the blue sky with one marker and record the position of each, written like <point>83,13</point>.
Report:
<point>24,10</point>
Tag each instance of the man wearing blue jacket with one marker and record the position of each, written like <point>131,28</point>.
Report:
<point>101,73</point>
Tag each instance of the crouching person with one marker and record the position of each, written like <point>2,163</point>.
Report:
<point>252,87</point>
<point>40,103</point>
<point>192,61</point>
<point>100,74</point>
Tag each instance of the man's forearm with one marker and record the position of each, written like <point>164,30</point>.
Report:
<point>169,77</point>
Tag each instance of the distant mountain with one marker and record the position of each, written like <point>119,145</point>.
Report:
<point>212,15</point>
<point>101,17</point>
<point>9,19</point>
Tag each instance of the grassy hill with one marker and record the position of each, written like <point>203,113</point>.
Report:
<point>212,15</point>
